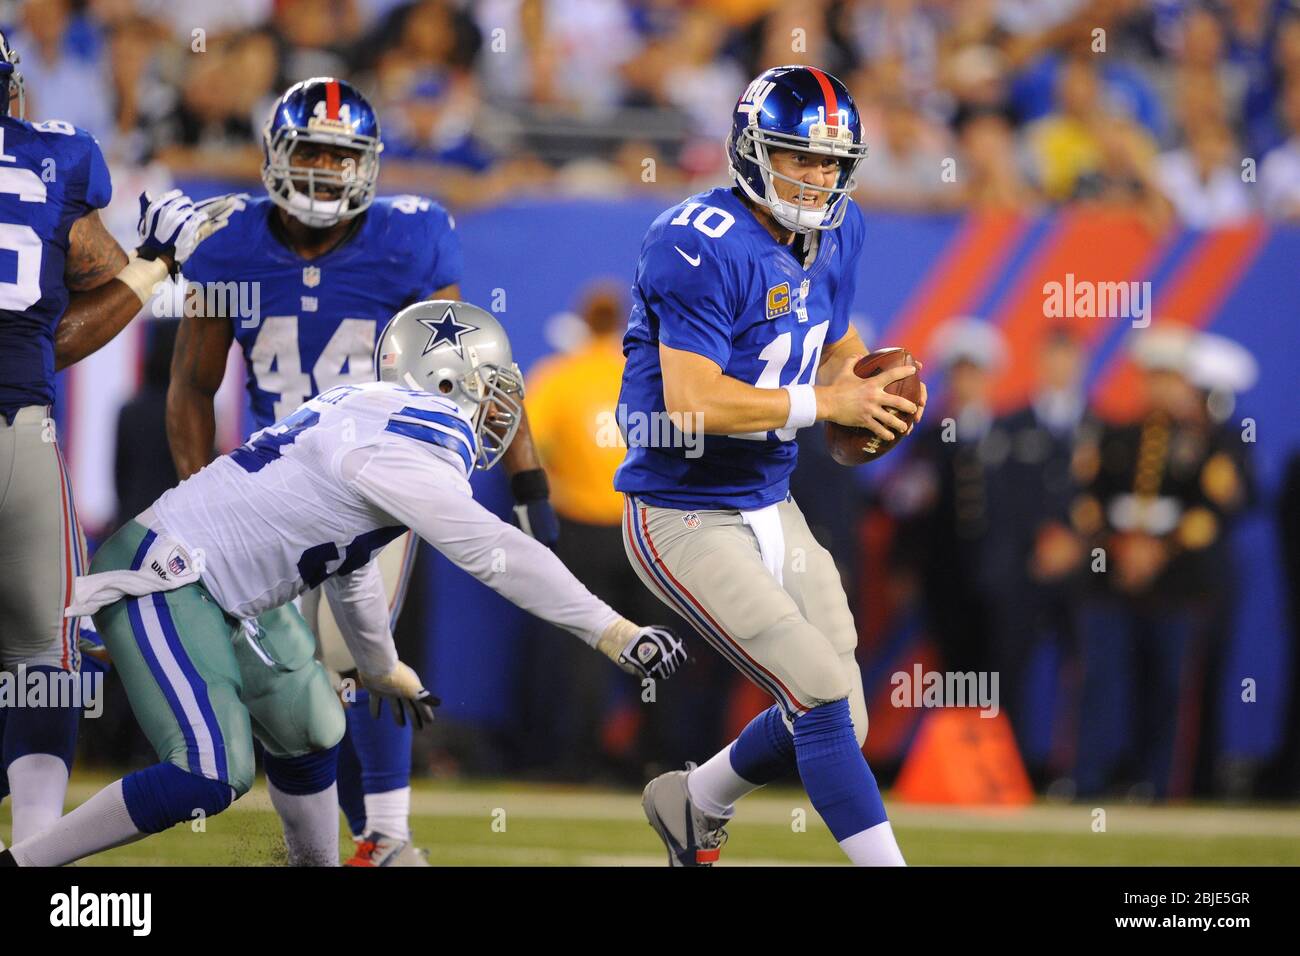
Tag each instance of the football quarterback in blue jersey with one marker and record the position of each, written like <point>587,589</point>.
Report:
<point>65,290</point>
<point>740,333</point>
<point>317,267</point>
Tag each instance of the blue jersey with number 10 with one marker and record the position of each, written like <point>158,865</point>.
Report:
<point>713,281</point>
<point>307,325</point>
<point>51,175</point>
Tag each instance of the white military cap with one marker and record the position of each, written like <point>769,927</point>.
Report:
<point>1218,364</point>
<point>970,340</point>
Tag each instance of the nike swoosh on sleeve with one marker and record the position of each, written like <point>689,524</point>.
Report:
<point>695,261</point>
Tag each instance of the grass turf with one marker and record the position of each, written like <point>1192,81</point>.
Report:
<point>511,824</point>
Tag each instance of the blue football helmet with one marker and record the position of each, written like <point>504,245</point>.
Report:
<point>326,112</point>
<point>799,108</point>
<point>11,78</point>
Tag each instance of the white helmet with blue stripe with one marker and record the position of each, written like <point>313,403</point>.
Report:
<point>461,352</point>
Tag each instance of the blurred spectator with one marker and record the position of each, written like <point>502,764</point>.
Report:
<point>1034,557</point>
<point>1279,174</point>
<point>1250,27</point>
<point>216,127</point>
<point>687,71</point>
<point>793,34</point>
<point>313,35</point>
<point>1065,144</point>
<point>560,53</point>
<point>991,168</point>
<point>942,496</point>
<point>143,99</point>
<point>1203,181</point>
<point>61,82</point>
<point>1034,16</point>
<point>1200,57</point>
<point>216,20</point>
<point>1122,88</point>
<point>428,101</point>
<point>899,32</point>
<point>976,78</point>
<point>904,169</point>
<point>1083,151</point>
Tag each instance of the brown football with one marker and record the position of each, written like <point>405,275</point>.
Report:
<point>857,446</point>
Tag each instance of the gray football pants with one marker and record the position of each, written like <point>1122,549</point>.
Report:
<point>794,638</point>
<point>41,545</point>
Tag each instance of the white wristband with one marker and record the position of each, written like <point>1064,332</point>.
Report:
<point>142,276</point>
<point>803,406</point>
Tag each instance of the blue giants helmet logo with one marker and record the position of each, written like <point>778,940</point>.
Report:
<point>799,108</point>
<point>11,81</point>
<point>321,114</point>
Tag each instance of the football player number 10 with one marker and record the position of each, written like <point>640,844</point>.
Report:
<point>713,222</point>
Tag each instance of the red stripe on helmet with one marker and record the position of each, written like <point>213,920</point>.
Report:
<point>828,94</point>
<point>332,100</point>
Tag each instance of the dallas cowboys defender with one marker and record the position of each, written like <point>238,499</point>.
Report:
<point>742,301</point>
<point>73,289</point>
<point>332,263</point>
<point>215,563</point>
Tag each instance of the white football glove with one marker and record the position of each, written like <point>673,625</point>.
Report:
<point>405,693</point>
<point>653,651</point>
<point>172,225</point>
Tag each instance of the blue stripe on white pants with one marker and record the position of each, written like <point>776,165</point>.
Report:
<point>185,691</point>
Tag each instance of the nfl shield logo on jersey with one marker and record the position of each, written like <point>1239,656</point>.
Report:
<point>692,521</point>
<point>310,276</point>
<point>176,562</point>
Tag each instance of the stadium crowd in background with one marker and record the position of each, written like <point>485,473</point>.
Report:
<point>1005,100</point>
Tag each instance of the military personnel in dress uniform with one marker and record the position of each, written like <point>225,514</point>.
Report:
<point>1034,558</point>
<point>1221,369</point>
<point>1157,494</point>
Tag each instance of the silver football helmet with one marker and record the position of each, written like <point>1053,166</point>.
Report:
<point>459,351</point>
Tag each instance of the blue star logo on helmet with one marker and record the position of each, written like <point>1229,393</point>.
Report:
<point>446,331</point>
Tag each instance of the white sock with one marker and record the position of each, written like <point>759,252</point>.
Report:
<point>389,813</point>
<point>311,825</point>
<point>715,787</point>
<point>874,846</point>
<point>38,784</point>
<point>101,823</point>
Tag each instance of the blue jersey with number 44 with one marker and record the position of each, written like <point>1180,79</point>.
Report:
<point>713,281</point>
<point>307,325</point>
<point>51,175</point>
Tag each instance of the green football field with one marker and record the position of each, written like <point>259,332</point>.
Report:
<point>510,824</point>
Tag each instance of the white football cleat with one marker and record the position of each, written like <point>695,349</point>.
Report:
<point>693,838</point>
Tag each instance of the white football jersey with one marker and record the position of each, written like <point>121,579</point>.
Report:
<point>320,492</point>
